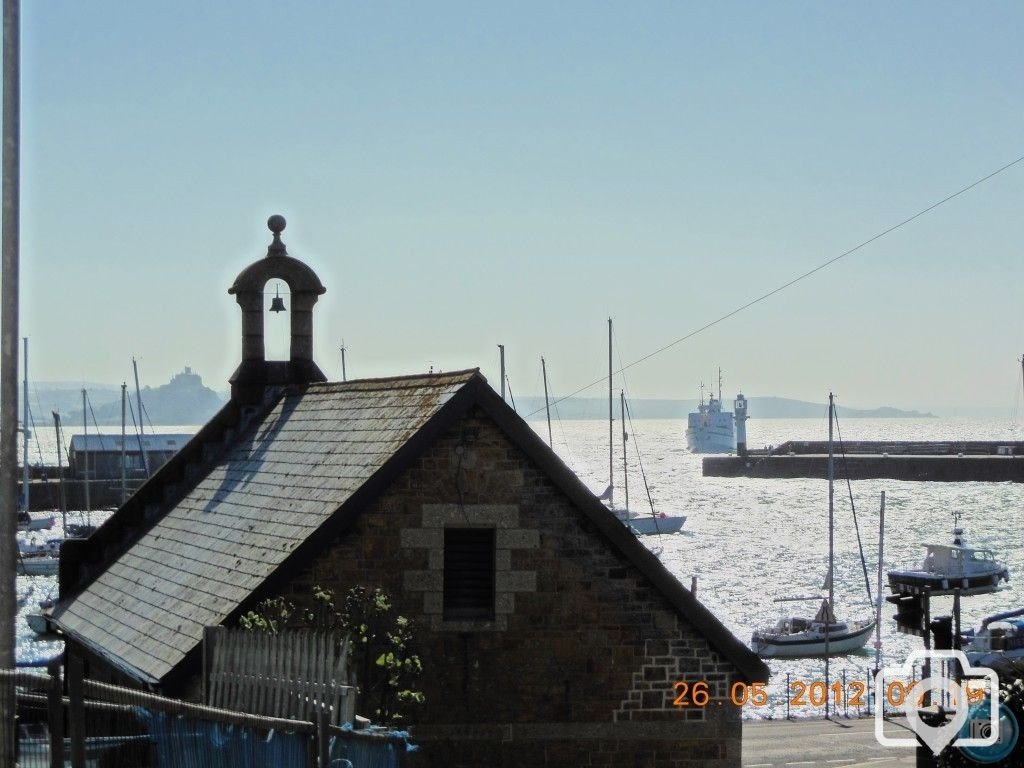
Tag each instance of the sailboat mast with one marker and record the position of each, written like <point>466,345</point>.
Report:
<point>501,356</point>
<point>547,404</point>
<point>25,434</point>
<point>611,419</point>
<point>124,468</point>
<point>831,544</point>
<point>625,437</point>
<point>138,395</point>
<point>878,588</point>
<point>719,385</point>
<point>60,474</point>
<point>141,431</point>
<point>85,450</point>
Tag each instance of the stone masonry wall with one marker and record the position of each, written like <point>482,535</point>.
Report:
<point>578,666</point>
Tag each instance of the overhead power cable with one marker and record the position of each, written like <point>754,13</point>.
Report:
<point>797,279</point>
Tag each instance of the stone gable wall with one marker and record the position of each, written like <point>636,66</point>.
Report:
<point>579,664</point>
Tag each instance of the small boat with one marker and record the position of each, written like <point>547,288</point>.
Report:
<point>822,635</point>
<point>1001,637</point>
<point>641,525</point>
<point>38,565</point>
<point>795,637</point>
<point>948,568</point>
<point>37,623</point>
<point>28,523</point>
<point>709,429</point>
<point>35,547</point>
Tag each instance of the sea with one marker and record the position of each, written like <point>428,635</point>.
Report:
<point>749,542</point>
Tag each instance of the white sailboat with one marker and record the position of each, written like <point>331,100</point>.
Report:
<point>643,525</point>
<point>822,635</point>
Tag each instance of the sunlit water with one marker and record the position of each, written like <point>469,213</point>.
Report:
<point>749,541</point>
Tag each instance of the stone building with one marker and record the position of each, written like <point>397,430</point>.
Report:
<point>549,634</point>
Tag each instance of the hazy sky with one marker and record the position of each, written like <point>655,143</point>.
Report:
<point>464,175</point>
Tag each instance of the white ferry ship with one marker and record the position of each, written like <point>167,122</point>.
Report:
<point>710,429</point>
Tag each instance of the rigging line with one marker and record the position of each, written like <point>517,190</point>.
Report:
<point>807,274</point>
<point>512,398</point>
<point>99,434</point>
<point>639,460</point>
<point>856,526</point>
<point>138,437</point>
<point>144,410</point>
<point>565,440</point>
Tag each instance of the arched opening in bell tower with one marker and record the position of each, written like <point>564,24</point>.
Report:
<point>277,320</point>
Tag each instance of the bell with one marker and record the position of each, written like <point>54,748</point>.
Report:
<point>277,304</point>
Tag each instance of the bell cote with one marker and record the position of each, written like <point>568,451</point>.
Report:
<point>255,372</point>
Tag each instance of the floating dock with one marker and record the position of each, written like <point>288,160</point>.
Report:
<point>940,461</point>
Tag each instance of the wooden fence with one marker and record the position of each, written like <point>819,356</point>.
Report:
<point>70,732</point>
<point>294,674</point>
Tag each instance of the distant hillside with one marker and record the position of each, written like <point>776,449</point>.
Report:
<point>183,400</point>
<point>758,408</point>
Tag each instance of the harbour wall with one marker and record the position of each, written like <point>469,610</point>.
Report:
<point>950,461</point>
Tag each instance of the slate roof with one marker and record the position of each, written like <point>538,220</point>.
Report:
<point>311,462</point>
<point>273,489</point>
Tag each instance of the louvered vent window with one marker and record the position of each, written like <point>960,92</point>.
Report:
<point>469,574</point>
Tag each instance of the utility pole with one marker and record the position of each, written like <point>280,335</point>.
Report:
<point>344,375</point>
<point>9,244</point>
<point>501,354</point>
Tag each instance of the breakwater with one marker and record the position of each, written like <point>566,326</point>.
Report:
<point>934,461</point>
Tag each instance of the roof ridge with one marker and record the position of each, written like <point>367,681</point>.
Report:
<point>435,379</point>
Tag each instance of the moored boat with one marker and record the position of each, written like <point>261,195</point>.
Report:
<point>641,525</point>
<point>710,429</point>
<point>948,568</point>
<point>1001,637</point>
<point>822,635</point>
<point>795,637</point>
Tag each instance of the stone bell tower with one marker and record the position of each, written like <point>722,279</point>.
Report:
<point>255,372</point>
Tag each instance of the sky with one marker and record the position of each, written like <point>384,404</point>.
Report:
<point>464,175</point>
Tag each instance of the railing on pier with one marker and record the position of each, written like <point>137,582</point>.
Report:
<point>851,694</point>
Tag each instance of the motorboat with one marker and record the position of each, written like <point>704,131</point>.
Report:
<point>949,568</point>
<point>27,522</point>
<point>1001,637</point>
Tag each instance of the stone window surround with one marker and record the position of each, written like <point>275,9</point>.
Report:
<point>508,536</point>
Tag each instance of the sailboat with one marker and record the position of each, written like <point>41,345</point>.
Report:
<point>643,525</point>
<point>824,634</point>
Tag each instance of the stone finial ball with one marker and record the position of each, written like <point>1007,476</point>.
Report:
<point>276,223</point>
